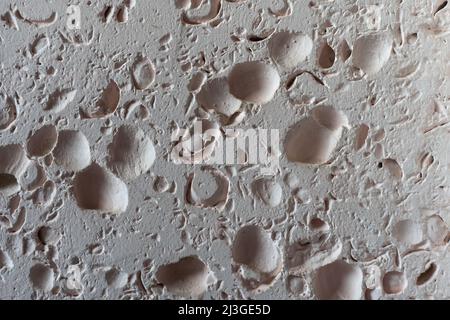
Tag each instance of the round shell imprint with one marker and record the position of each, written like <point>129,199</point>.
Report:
<point>72,152</point>
<point>338,281</point>
<point>255,248</point>
<point>43,141</point>
<point>13,164</point>
<point>190,277</point>
<point>96,188</point>
<point>143,73</point>
<point>215,95</point>
<point>131,153</point>
<point>289,49</point>
<point>254,82</point>
<point>313,139</point>
<point>372,51</point>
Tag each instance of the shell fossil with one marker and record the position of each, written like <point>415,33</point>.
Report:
<point>215,95</point>
<point>42,277</point>
<point>219,197</point>
<point>253,247</point>
<point>13,164</point>
<point>189,277</point>
<point>313,139</point>
<point>72,151</point>
<point>106,104</point>
<point>289,49</point>
<point>338,281</point>
<point>269,191</point>
<point>253,81</point>
<point>8,113</point>
<point>95,188</point>
<point>43,141</point>
<point>372,51</point>
<point>143,73</point>
<point>131,153</point>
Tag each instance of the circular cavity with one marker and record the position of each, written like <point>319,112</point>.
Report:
<point>48,235</point>
<point>254,82</point>
<point>116,279</point>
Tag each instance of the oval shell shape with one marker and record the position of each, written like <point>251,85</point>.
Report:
<point>269,191</point>
<point>394,282</point>
<point>254,82</point>
<point>215,95</point>
<point>338,281</point>
<point>408,232</point>
<point>96,188</point>
<point>189,277</point>
<point>313,139</point>
<point>372,51</point>
<point>42,277</point>
<point>143,73</point>
<point>72,151</point>
<point>131,153</point>
<point>13,164</point>
<point>43,141</point>
<point>289,49</point>
<point>255,248</point>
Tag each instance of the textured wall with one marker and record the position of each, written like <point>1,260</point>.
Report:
<point>95,203</point>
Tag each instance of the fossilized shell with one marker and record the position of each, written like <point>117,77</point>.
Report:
<point>13,163</point>
<point>408,232</point>
<point>72,151</point>
<point>316,253</point>
<point>214,10</point>
<point>106,105</point>
<point>5,260</point>
<point>268,191</point>
<point>60,99</point>
<point>131,153</point>
<point>254,248</point>
<point>394,282</point>
<point>43,141</point>
<point>372,51</point>
<point>338,281</point>
<point>143,73</point>
<point>116,278</point>
<point>215,95</point>
<point>437,230</point>
<point>254,82</point>
<point>313,139</point>
<point>289,49</point>
<point>48,235</point>
<point>42,277</point>
<point>189,277</point>
<point>327,56</point>
<point>218,199</point>
<point>96,188</point>
<point>8,114</point>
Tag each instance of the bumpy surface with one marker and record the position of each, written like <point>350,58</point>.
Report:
<point>95,204</point>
